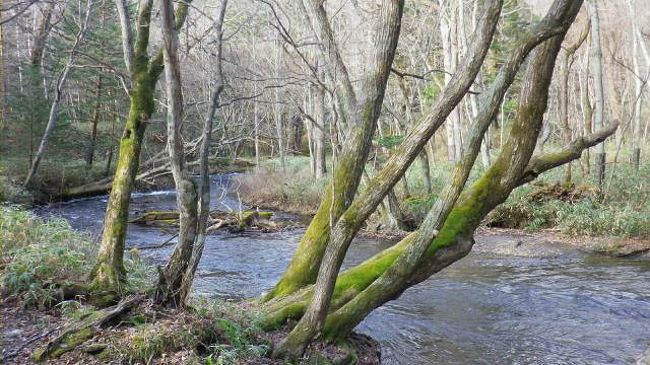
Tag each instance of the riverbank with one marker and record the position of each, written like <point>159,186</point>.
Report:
<point>615,223</point>
<point>40,259</point>
<point>210,332</point>
<point>512,260</point>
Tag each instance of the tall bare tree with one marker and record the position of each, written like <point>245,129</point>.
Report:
<point>60,84</point>
<point>596,62</point>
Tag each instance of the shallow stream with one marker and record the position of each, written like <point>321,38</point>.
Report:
<point>505,303</point>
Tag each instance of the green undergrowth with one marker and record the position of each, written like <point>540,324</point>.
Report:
<point>210,332</point>
<point>13,191</point>
<point>622,210</point>
<point>39,257</point>
<point>54,175</point>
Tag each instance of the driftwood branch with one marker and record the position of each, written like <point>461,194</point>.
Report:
<point>17,350</point>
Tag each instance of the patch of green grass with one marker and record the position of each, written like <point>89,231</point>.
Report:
<point>624,211</point>
<point>37,257</point>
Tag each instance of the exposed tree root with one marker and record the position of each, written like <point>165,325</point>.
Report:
<point>79,333</point>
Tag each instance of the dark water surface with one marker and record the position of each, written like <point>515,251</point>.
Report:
<point>485,309</point>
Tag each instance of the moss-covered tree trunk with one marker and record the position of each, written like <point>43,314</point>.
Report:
<point>361,119</point>
<point>447,234</point>
<point>109,270</point>
<point>432,251</point>
<point>352,219</point>
<point>108,273</point>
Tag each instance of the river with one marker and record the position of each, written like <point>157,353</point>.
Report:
<point>498,305</point>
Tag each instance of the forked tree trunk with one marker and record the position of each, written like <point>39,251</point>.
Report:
<point>175,280</point>
<point>446,235</point>
<point>354,216</point>
<point>361,120</point>
<point>454,240</point>
<point>168,291</point>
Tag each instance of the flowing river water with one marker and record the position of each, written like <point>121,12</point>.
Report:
<point>510,301</point>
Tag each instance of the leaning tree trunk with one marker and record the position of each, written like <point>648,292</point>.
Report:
<point>355,215</point>
<point>446,235</point>
<point>361,120</point>
<point>389,273</point>
<point>356,279</point>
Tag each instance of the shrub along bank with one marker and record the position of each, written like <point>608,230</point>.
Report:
<point>622,210</point>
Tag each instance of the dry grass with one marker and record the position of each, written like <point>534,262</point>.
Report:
<point>291,191</point>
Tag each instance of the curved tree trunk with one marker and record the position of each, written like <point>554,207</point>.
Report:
<point>351,164</point>
<point>446,235</point>
<point>361,120</point>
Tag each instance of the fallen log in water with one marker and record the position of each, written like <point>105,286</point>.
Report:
<point>235,221</point>
<point>149,175</point>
